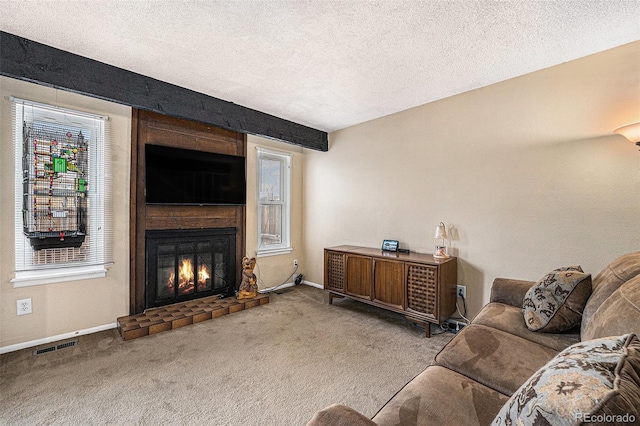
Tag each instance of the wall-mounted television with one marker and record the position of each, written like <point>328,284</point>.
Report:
<point>184,176</point>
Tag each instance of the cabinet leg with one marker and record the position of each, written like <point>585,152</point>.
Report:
<point>426,325</point>
<point>331,296</point>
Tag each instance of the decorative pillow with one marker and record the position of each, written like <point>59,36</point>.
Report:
<point>597,381</point>
<point>556,302</point>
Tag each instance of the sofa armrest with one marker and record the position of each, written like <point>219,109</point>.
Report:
<point>339,415</point>
<point>510,292</point>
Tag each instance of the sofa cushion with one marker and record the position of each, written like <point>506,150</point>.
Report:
<point>585,383</point>
<point>497,359</point>
<point>557,300</point>
<point>339,415</point>
<point>439,396</point>
<point>509,291</point>
<point>619,314</point>
<point>609,280</point>
<point>509,318</point>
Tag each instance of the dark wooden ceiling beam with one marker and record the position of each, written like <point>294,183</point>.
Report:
<point>35,62</point>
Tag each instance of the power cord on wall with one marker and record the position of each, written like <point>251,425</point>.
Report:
<point>452,324</point>
<point>461,315</point>
<point>464,303</point>
<point>271,290</point>
<point>298,280</point>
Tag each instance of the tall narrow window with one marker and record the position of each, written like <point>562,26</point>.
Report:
<point>274,182</point>
<point>62,220</point>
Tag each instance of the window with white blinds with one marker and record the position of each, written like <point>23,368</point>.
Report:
<point>63,226</point>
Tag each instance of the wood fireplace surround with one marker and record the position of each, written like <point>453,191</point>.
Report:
<point>148,127</point>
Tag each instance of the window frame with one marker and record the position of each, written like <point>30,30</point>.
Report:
<point>285,194</point>
<point>99,229</point>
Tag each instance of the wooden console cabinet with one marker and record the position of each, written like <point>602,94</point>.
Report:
<point>419,286</point>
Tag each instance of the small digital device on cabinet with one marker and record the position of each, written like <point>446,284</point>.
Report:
<point>390,245</point>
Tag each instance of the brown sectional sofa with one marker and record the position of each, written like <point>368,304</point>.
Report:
<point>475,374</point>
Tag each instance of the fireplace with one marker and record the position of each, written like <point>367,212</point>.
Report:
<point>189,264</point>
<point>156,218</point>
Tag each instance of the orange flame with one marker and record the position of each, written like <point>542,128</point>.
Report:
<point>185,273</point>
<point>203,276</point>
<point>186,277</point>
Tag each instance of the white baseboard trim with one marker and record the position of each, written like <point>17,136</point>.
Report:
<point>309,283</point>
<point>45,340</point>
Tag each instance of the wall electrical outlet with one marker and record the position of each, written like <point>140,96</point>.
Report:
<point>24,306</point>
<point>295,262</point>
<point>461,291</point>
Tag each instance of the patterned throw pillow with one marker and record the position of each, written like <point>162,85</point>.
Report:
<point>556,302</point>
<point>596,381</point>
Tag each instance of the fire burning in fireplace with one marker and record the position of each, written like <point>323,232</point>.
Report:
<point>186,278</point>
<point>188,264</point>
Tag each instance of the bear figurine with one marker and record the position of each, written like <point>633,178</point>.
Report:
<point>248,286</point>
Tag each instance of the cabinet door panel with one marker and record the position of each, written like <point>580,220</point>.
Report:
<point>334,272</point>
<point>422,289</point>
<point>358,282</point>
<point>387,282</point>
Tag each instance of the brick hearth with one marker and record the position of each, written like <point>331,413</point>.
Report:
<point>157,320</point>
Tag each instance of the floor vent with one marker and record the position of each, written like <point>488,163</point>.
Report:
<point>57,347</point>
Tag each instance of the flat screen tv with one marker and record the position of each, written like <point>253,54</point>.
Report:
<point>183,176</point>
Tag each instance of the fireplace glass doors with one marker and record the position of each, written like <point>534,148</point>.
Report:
<point>189,264</point>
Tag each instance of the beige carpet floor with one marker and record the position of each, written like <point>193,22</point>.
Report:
<point>271,365</point>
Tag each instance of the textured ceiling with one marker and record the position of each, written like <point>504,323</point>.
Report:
<point>327,64</point>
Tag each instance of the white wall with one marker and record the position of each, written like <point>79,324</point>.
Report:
<point>67,307</point>
<point>527,172</point>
